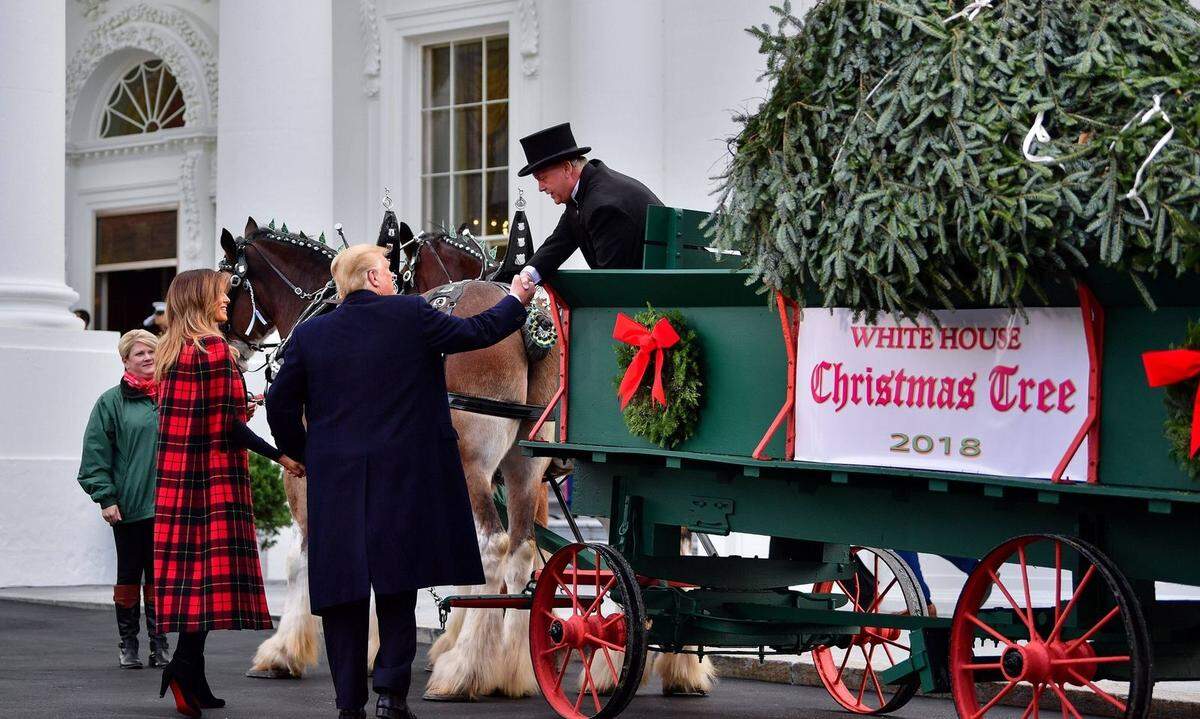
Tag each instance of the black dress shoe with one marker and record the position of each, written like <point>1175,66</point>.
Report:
<point>391,706</point>
<point>352,714</point>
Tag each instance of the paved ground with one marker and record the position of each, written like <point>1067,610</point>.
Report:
<point>61,662</point>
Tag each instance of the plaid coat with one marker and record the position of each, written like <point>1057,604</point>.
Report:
<point>206,569</point>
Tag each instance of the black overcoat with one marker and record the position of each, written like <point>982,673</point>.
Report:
<point>606,221</point>
<point>387,499</point>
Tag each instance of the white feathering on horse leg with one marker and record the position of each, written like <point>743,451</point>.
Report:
<point>452,631</point>
<point>686,673</point>
<point>514,643</point>
<point>294,646</point>
<point>470,668</point>
<point>372,636</point>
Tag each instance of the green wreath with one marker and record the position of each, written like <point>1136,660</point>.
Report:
<point>683,381</point>
<point>1179,401</point>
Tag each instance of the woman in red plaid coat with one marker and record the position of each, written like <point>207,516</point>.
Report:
<point>205,547</point>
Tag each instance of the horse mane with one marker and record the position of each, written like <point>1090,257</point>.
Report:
<point>324,252</point>
<point>455,240</point>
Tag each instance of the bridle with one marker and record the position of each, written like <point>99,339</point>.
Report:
<point>475,249</point>
<point>239,271</point>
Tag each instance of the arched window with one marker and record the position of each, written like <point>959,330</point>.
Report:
<point>147,99</point>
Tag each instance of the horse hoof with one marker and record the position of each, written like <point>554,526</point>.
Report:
<point>692,693</point>
<point>271,674</point>
<point>460,698</point>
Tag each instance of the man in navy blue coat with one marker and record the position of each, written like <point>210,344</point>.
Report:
<point>387,499</point>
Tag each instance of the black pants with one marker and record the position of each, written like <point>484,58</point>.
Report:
<point>135,551</point>
<point>346,629</point>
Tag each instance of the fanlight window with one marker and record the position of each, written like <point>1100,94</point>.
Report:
<point>146,100</point>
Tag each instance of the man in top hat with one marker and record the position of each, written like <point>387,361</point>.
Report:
<point>605,215</point>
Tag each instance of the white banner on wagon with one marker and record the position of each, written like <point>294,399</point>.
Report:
<point>985,392</point>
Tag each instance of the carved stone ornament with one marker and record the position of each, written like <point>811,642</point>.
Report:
<point>92,9</point>
<point>368,19</point>
<point>528,23</point>
<point>189,200</point>
<point>166,32</point>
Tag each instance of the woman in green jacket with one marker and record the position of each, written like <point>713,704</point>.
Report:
<point>117,470</point>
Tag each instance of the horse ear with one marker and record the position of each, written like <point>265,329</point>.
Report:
<point>251,227</point>
<point>406,233</point>
<point>228,244</point>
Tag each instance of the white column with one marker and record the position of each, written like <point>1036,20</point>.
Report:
<point>617,73</point>
<point>275,127</point>
<point>50,371</point>
<point>32,176</point>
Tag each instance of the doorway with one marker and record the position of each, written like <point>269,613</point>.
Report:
<point>135,263</point>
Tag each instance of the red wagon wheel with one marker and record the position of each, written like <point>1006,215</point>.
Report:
<point>1091,630</point>
<point>882,583</point>
<point>603,629</point>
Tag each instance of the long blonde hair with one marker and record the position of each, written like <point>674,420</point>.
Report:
<point>191,315</point>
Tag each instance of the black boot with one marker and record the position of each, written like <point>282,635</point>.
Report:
<point>392,706</point>
<point>352,714</point>
<point>159,649</point>
<point>180,677</point>
<point>203,693</point>
<point>128,614</point>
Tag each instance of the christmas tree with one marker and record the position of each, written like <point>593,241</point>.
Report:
<point>918,154</point>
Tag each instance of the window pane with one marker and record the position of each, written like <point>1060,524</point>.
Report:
<point>497,202</point>
<point>497,134</point>
<point>468,198</point>
<point>468,137</point>
<point>497,68</point>
<point>436,153</point>
<point>437,76</point>
<point>437,201</point>
<point>468,71</point>
<point>134,238</point>
<point>146,100</point>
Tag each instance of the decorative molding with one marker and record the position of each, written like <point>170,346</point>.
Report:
<point>530,37</point>
<point>368,18</point>
<point>189,203</point>
<point>92,9</point>
<point>150,144</point>
<point>167,33</point>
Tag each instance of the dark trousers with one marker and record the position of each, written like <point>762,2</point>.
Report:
<point>346,629</point>
<point>135,551</point>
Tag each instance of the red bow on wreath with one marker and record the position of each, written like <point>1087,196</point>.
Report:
<point>1169,367</point>
<point>660,338</point>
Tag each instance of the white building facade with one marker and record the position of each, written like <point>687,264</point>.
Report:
<point>135,131</point>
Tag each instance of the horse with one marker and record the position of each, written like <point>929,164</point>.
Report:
<point>282,278</point>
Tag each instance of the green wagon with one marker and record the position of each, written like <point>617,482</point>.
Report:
<point>1060,615</point>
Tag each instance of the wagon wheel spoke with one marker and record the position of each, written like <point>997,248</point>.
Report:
<point>1028,599</point>
<point>866,672</point>
<point>1088,660</point>
<point>600,594</point>
<point>1031,710</point>
<point>879,599</point>
<point>611,667</point>
<point>1087,577</point>
<point>1057,579</point>
<point>995,700</point>
<point>1013,603</point>
<point>878,687</point>
<point>1120,705</point>
<point>1092,632</point>
<point>1064,702</point>
<point>587,672</point>
<point>563,671</point>
<point>995,634</point>
<point>842,668</point>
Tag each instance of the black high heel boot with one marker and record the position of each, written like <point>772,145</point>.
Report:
<point>179,675</point>
<point>159,648</point>
<point>203,693</point>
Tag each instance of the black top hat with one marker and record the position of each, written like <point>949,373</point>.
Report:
<point>546,147</point>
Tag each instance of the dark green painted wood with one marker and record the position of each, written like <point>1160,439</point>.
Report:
<point>745,382</point>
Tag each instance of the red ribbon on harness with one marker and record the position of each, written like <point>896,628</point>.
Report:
<point>1166,367</point>
<point>654,341</point>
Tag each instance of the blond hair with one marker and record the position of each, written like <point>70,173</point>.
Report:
<point>133,337</point>
<point>350,267</point>
<point>191,315</point>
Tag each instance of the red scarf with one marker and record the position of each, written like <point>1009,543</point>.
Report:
<point>147,386</point>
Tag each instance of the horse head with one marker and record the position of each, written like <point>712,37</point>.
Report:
<point>275,276</point>
<point>439,257</point>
